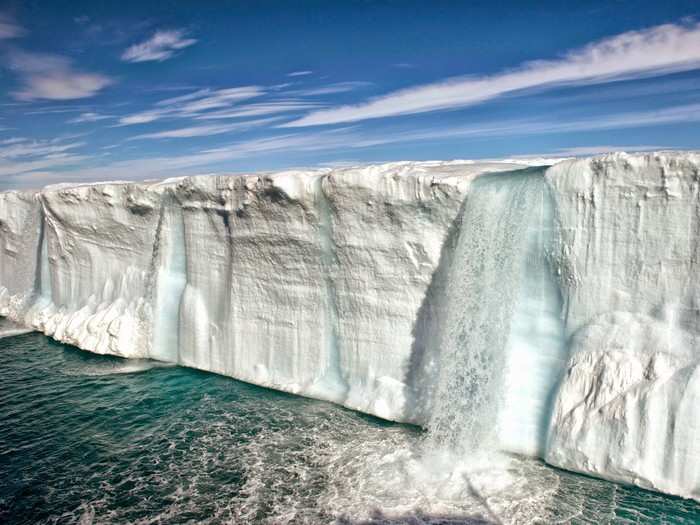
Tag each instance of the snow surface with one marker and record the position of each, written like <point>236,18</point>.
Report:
<point>369,287</point>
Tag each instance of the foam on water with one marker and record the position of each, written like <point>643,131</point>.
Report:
<point>173,445</point>
<point>131,366</point>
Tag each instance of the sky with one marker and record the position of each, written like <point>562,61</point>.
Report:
<point>105,90</point>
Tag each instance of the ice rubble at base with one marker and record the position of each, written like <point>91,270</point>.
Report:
<point>342,285</point>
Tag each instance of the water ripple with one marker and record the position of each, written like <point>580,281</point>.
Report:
<point>95,439</point>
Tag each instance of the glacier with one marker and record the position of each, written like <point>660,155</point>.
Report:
<point>547,311</point>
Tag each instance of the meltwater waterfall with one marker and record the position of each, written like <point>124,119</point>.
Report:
<point>498,294</point>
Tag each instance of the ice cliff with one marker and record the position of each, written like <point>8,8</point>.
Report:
<point>554,312</point>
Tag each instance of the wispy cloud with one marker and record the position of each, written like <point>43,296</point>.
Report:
<point>17,147</point>
<point>597,150</point>
<point>161,46</point>
<point>53,110</point>
<point>220,98</point>
<point>624,120</point>
<point>299,73</point>
<point>659,50</point>
<point>143,117</point>
<point>52,77</point>
<point>331,89</point>
<point>19,155</point>
<point>89,117</point>
<point>38,169</point>
<point>173,165</point>
<point>9,28</point>
<point>261,108</point>
<point>193,104</point>
<point>201,131</point>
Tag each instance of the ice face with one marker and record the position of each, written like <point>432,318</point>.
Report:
<point>627,259</point>
<point>443,293</point>
<point>628,410</point>
<point>98,246</point>
<point>21,234</point>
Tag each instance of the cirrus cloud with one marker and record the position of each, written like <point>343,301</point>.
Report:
<point>161,46</point>
<point>656,51</point>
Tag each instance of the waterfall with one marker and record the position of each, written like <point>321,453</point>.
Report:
<point>167,281</point>
<point>500,231</point>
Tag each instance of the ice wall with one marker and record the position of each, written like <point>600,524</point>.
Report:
<point>342,285</point>
<point>628,259</point>
<point>98,247</point>
<point>309,282</point>
<point>21,235</point>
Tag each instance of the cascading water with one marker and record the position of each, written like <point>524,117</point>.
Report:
<point>502,219</point>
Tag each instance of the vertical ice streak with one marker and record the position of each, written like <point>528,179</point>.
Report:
<point>331,385</point>
<point>168,274</point>
<point>484,285</point>
<point>43,272</point>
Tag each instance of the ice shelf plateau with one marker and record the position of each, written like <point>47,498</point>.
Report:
<point>567,297</point>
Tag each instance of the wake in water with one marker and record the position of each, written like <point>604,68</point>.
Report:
<point>120,366</point>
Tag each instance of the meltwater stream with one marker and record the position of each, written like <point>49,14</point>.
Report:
<point>502,319</point>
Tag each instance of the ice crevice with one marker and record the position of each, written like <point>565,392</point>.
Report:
<point>552,312</point>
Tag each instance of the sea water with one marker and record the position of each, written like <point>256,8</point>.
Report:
<point>95,439</point>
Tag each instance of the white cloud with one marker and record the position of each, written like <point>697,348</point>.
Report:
<point>161,46</point>
<point>262,108</point>
<point>8,28</point>
<point>597,150</point>
<point>19,155</point>
<point>170,166</point>
<point>672,115</point>
<point>659,50</point>
<point>200,93</point>
<point>338,87</point>
<point>52,77</point>
<point>221,98</point>
<point>299,73</point>
<point>88,117</point>
<point>142,118</point>
<point>201,131</point>
<point>20,147</point>
<point>193,104</point>
<point>340,141</point>
<point>13,140</point>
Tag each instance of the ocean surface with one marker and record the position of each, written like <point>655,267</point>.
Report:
<point>94,439</point>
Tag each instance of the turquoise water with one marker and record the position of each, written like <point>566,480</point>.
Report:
<point>94,439</point>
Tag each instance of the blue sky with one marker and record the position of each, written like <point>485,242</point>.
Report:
<point>134,90</point>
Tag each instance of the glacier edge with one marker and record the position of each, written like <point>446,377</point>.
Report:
<point>330,284</point>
